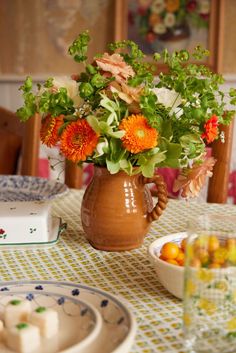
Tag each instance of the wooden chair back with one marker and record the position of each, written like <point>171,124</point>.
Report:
<point>22,139</point>
<point>11,140</point>
<point>24,147</point>
<point>219,182</point>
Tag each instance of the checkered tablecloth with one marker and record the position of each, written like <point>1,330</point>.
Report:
<point>128,275</point>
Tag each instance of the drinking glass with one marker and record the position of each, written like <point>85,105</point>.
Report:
<point>209,317</point>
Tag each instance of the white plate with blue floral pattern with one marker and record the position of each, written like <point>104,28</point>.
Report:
<point>79,322</point>
<point>28,188</point>
<point>86,314</point>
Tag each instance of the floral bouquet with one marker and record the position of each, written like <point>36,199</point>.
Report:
<point>118,115</point>
<point>156,19</point>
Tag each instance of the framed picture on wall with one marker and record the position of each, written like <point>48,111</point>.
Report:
<point>173,24</point>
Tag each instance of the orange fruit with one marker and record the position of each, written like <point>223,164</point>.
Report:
<point>195,263</point>
<point>170,250</point>
<point>214,265</point>
<point>162,258</point>
<point>183,244</point>
<point>172,261</point>
<point>213,243</point>
<point>231,256</point>
<point>220,255</point>
<point>203,256</point>
<point>180,258</point>
<point>231,243</point>
<point>201,242</point>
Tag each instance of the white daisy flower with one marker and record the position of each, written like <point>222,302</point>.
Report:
<point>204,7</point>
<point>100,147</point>
<point>222,137</point>
<point>169,20</point>
<point>71,86</point>
<point>158,6</point>
<point>159,28</point>
<point>169,98</point>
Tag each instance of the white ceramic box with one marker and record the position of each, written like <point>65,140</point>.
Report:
<point>25,222</point>
<point>25,211</point>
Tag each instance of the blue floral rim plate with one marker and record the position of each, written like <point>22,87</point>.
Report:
<point>82,310</point>
<point>28,188</point>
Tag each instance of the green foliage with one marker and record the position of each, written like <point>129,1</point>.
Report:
<point>86,90</point>
<point>56,103</point>
<point>29,108</point>
<point>149,160</point>
<point>232,94</point>
<point>172,153</point>
<point>78,49</point>
<point>198,86</point>
<point>45,101</point>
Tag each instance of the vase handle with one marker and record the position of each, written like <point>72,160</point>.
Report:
<point>161,195</point>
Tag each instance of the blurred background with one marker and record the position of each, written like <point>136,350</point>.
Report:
<point>35,36</point>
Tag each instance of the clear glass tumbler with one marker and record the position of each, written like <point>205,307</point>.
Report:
<point>209,317</point>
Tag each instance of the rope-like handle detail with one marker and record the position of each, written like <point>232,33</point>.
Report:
<point>161,194</point>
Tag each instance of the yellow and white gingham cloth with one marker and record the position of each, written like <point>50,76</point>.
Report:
<point>128,275</point>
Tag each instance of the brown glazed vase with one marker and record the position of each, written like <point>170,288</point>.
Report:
<point>117,209</point>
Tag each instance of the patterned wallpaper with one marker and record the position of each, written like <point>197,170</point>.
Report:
<point>35,34</point>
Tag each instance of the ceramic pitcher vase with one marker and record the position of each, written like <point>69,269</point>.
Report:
<point>117,209</point>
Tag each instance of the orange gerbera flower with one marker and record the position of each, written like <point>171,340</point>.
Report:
<point>211,129</point>
<point>154,19</point>
<point>78,141</point>
<point>139,136</point>
<point>49,129</point>
<point>172,5</point>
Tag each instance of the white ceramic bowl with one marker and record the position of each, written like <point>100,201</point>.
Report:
<point>170,276</point>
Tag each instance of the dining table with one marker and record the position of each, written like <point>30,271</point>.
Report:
<point>128,275</point>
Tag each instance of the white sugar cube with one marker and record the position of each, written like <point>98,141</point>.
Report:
<point>16,311</point>
<point>47,321</point>
<point>23,338</point>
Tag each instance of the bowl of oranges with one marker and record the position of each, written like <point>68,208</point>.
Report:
<point>209,250</point>
<point>167,255</point>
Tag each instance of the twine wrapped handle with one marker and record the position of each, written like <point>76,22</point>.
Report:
<point>161,194</point>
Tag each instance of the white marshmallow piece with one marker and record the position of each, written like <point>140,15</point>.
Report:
<point>47,321</point>
<point>16,311</point>
<point>23,338</point>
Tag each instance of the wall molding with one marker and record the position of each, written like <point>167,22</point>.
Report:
<point>21,78</point>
